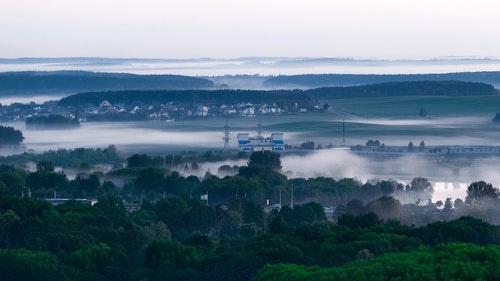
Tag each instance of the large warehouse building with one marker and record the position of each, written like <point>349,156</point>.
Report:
<point>259,143</point>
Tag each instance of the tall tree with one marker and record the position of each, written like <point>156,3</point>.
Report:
<point>10,136</point>
<point>421,184</point>
<point>480,190</point>
<point>265,159</point>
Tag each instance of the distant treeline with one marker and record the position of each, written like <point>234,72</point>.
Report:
<point>52,121</point>
<point>76,81</point>
<point>187,96</point>
<point>414,88</point>
<point>329,80</point>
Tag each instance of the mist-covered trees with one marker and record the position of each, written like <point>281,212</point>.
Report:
<point>496,118</point>
<point>10,136</point>
<point>480,190</point>
<point>73,158</point>
<point>179,237</point>
<point>52,121</point>
<point>421,188</point>
<point>156,226</point>
<point>46,182</point>
<point>265,159</point>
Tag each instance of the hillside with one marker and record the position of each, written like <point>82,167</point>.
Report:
<point>329,80</point>
<point>413,88</point>
<point>33,82</point>
<point>418,88</point>
<point>186,96</point>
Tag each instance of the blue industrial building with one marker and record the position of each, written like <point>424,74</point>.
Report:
<point>259,143</point>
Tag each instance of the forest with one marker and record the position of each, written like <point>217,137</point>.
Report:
<point>56,82</point>
<point>10,136</point>
<point>161,223</point>
<point>330,80</point>
<point>284,97</point>
<point>52,121</point>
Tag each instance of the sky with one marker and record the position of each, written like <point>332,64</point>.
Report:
<point>178,29</point>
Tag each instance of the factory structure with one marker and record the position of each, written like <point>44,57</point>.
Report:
<point>249,143</point>
<point>246,143</point>
<point>259,143</point>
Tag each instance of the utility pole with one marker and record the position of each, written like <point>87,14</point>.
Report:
<point>343,132</point>
<point>280,197</point>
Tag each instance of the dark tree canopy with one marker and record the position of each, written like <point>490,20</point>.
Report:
<point>52,121</point>
<point>496,119</point>
<point>10,136</point>
<point>265,159</point>
<point>479,190</point>
<point>421,184</point>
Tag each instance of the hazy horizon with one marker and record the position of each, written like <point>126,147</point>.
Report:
<point>264,66</point>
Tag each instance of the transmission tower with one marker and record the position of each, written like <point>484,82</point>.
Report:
<point>226,137</point>
<point>259,129</point>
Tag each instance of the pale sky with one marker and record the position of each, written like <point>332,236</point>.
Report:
<point>393,29</point>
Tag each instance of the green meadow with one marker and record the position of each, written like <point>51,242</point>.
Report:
<point>395,121</point>
<point>391,120</point>
<point>409,106</point>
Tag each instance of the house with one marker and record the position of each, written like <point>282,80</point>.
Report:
<point>201,111</point>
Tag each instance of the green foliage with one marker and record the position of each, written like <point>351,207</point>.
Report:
<point>45,182</point>
<point>26,265</point>
<point>143,160</point>
<point>68,158</point>
<point>180,237</point>
<point>183,239</point>
<point>363,221</point>
<point>84,81</point>
<point>265,159</point>
<point>13,180</point>
<point>282,97</point>
<point>309,212</point>
<point>326,80</point>
<point>455,261</point>
<point>464,229</point>
<point>150,179</point>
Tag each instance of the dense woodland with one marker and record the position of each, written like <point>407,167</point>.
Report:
<point>159,218</point>
<point>284,97</point>
<point>330,80</point>
<point>153,222</point>
<point>52,121</point>
<point>35,82</point>
<point>10,136</point>
<point>188,96</point>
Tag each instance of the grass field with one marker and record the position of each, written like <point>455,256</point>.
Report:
<point>409,107</point>
<point>392,120</point>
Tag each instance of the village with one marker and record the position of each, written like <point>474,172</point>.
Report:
<point>139,111</point>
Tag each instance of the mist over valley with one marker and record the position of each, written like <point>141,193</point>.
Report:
<point>255,141</point>
<point>328,128</point>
